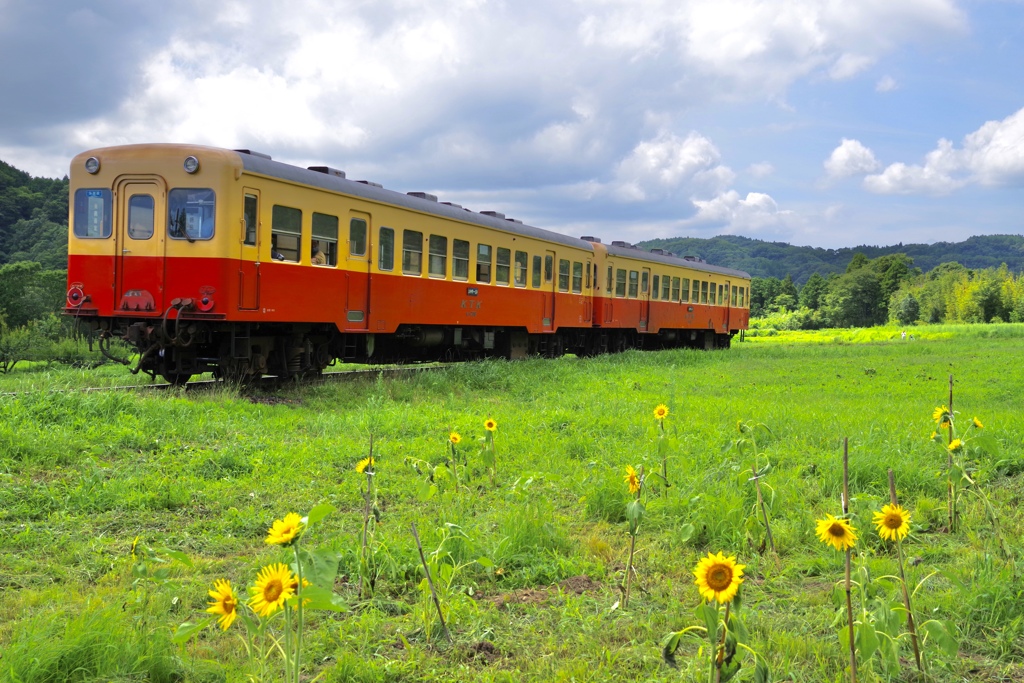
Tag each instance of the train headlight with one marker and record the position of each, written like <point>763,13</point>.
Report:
<point>191,164</point>
<point>92,165</point>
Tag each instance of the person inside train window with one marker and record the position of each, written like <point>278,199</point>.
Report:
<point>317,257</point>
<point>274,253</point>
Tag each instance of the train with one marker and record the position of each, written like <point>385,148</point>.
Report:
<point>203,259</point>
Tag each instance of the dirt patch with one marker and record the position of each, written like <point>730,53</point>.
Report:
<point>274,401</point>
<point>578,585</point>
<point>485,651</point>
<point>574,585</point>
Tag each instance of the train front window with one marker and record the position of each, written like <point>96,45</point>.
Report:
<point>285,233</point>
<point>140,216</point>
<point>325,232</point>
<point>438,265</point>
<point>504,266</point>
<point>190,214</point>
<point>386,258</point>
<point>483,263</point>
<point>460,260</point>
<point>412,252</point>
<point>92,213</point>
<point>357,237</point>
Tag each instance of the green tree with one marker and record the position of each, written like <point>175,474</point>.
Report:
<point>858,261</point>
<point>908,310</point>
<point>813,293</point>
<point>27,292</point>
<point>853,300</point>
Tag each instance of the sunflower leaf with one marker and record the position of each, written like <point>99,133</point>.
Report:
<point>709,615</point>
<point>187,631</point>
<point>318,513</point>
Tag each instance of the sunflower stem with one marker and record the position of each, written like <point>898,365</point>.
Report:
<point>764,511</point>
<point>849,598</point>
<point>629,569</point>
<point>903,581</point>
<point>719,655</point>
<point>951,504</point>
<point>430,583</point>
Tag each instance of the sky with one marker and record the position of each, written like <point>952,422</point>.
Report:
<point>829,123</point>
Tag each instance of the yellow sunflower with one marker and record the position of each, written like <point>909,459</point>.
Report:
<point>285,531</point>
<point>838,533</point>
<point>365,464</point>
<point>274,584</point>
<point>977,423</point>
<point>454,437</point>
<point>718,577</point>
<point>224,603</point>
<point>661,412</point>
<point>955,445</point>
<point>632,479</point>
<point>941,414</point>
<point>893,522</point>
<point>490,425</point>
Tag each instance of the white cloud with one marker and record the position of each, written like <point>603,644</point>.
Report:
<point>886,84</point>
<point>753,213</point>
<point>662,166</point>
<point>992,155</point>
<point>850,158</point>
<point>761,169</point>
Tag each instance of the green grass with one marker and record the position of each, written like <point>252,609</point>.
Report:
<point>83,474</point>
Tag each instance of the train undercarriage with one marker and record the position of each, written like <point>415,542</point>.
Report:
<point>180,349</point>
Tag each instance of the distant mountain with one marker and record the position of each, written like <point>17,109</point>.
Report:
<point>778,259</point>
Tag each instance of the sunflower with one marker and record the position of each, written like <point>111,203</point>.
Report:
<point>285,531</point>
<point>718,577</point>
<point>224,603</point>
<point>365,464</point>
<point>893,522</point>
<point>977,423</point>
<point>454,437</point>
<point>941,415</point>
<point>632,479</point>
<point>490,425</point>
<point>838,533</point>
<point>955,446</point>
<point>295,587</point>
<point>661,412</point>
<point>274,584</point>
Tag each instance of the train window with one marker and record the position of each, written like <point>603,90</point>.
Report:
<point>522,258</point>
<point>577,277</point>
<point>608,283</point>
<point>504,266</point>
<point>325,232</point>
<point>536,272</point>
<point>704,292</point>
<point>549,268</point>
<point>695,298</point>
<point>92,213</point>
<point>386,257</point>
<point>721,295</point>
<point>634,279</point>
<point>438,265</point>
<point>250,214</point>
<point>734,295</point>
<point>483,263</point>
<point>357,237</point>
<point>412,252</point>
<point>191,214</point>
<point>140,216</point>
<point>563,275</point>
<point>460,260</point>
<point>656,286</point>
<point>743,290</point>
<point>685,291</point>
<point>285,232</point>
<point>620,282</point>
<point>644,281</point>
<point>666,283</point>
<point>675,289</point>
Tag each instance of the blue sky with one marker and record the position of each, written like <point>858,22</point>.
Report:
<point>814,122</point>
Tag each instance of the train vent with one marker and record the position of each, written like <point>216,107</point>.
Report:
<point>660,252</point>
<point>695,259</point>
<point>423,195</point>
<point>591,238</point>
<point>327,170</point>
<point>620,243</point>
<point>370,183</point>
<point>251,153</point>
<point>454,206</point>
<point>492,214</point>
<point>514,220</point>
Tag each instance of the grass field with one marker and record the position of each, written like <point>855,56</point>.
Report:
<point>530,566</point>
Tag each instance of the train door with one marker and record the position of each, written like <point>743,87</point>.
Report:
<point>588,293</point>
<point>140,242</point>
<point>609,306</point>
<point>548,318</point>
<point>248,252</point>
<point>728,307</point>
<point>357,271</point>
<point>645,297</point>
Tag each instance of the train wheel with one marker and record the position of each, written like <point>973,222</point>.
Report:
<point>176,378</point>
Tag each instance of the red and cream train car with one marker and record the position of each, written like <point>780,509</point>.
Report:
<point>207,259</point>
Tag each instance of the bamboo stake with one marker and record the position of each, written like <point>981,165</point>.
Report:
<point>430,582</point>
<point>951,503</point>
<point>764,512</point>
<point>903,581</point>
<point>849,598</point>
